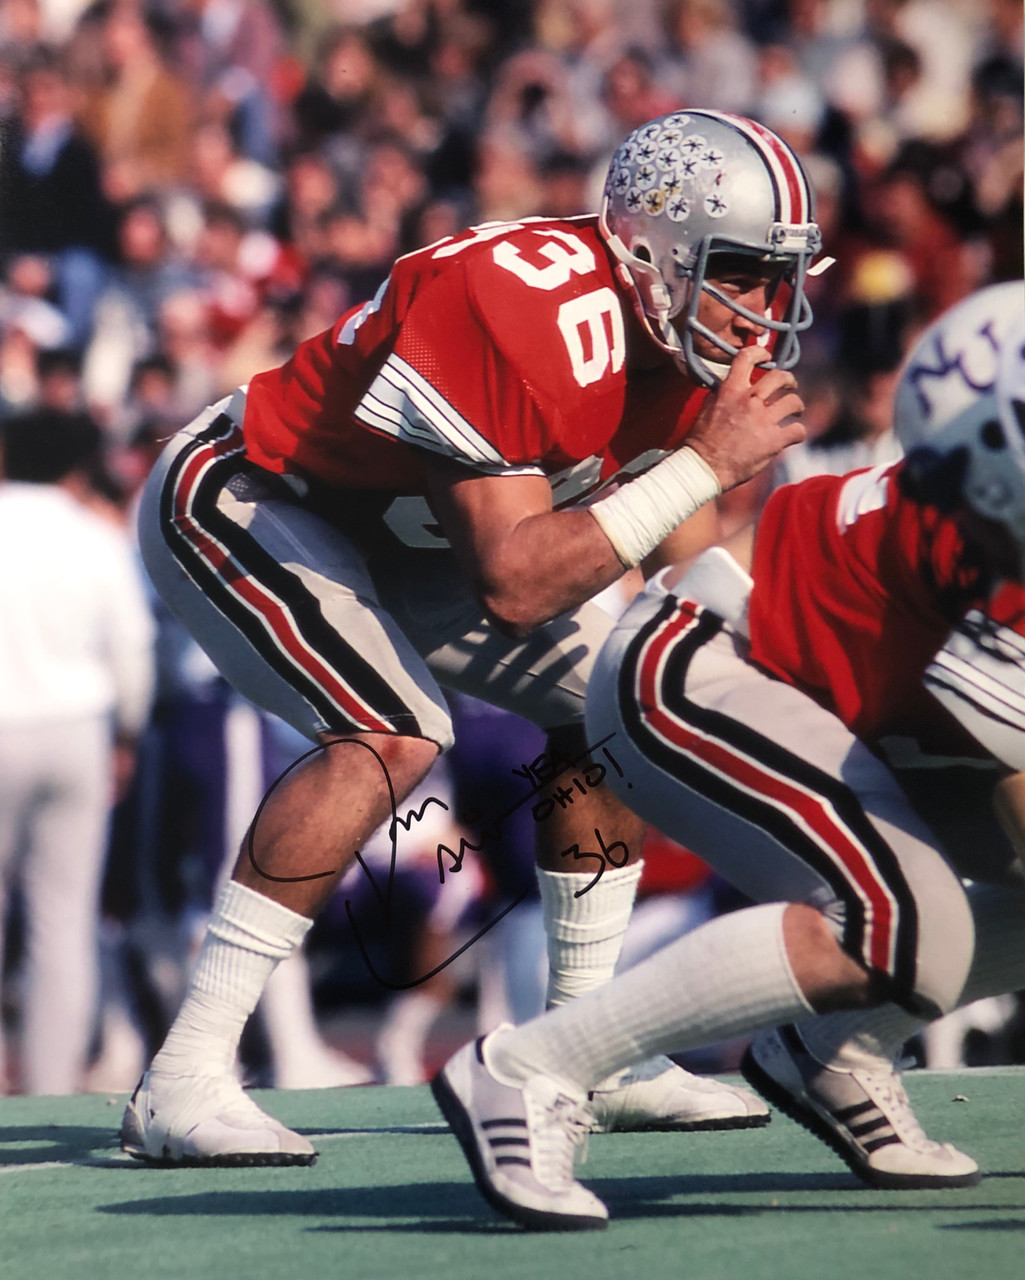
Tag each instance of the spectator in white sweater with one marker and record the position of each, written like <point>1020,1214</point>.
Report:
<point>76,671</point>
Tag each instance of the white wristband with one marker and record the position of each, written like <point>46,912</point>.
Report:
<point>637,517</point>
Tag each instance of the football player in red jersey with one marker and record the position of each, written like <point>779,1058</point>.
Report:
<point>427,496</point>
<point>830,737</point>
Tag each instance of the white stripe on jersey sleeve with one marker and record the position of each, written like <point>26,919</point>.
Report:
<point>982,684</point>
<point>402,403</point>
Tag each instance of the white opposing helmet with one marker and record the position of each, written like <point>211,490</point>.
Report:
<point>1011,379</point>
<point>694,183</point>
<point>955,413</point>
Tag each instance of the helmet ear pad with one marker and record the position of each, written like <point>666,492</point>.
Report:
<point>935,477</point>
<point>1017,409</point>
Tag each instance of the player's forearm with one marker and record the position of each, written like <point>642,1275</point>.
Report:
<point>1009,803</point>
<point>550,563</point>
<point>527,563</point>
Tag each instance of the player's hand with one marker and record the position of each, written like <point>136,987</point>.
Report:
<point>748,419</point>
<point>1009,803</point>
<point>123,768</point>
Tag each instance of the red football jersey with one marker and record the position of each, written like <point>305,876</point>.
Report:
<point>858,593</point>
<point>503,348</point>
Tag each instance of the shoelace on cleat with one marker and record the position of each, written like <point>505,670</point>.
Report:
<point>560,1132</point>
<point>889,1095</point>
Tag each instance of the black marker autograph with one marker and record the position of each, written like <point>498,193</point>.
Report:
<point>543,771</point>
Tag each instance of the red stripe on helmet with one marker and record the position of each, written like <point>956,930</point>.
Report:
<point>787,174</point>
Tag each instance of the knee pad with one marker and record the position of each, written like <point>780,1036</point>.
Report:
<point>934,946</point>
<point>945,948</point>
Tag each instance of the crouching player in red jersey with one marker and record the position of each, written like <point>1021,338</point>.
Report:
<point>427,496</point>
<point>829,739</point>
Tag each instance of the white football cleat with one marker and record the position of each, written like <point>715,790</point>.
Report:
<point>321,1067</point>
<point>521,1142</point>
<point>205,1121</point>
<point>864,1115</point>
<point>658,1094</point>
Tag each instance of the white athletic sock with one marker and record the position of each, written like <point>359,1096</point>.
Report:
<point>869,1038</point>
<point>246,938</point>
<point>402,1037</point>
<point>729,977</point>
<point>585,934</point>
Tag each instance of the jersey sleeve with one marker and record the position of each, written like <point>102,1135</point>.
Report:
<point>482,369</point>
<point>979,677</point>
<point>446,388</point>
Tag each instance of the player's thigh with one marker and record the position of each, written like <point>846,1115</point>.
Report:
<point>777,795</point>
<point>279,597</point>
<point>542,678</point>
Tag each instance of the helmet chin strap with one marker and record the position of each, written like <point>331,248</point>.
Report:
<point>717,370</point>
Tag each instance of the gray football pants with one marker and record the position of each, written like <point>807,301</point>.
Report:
<point>778,796</point>
<point>311,607</point>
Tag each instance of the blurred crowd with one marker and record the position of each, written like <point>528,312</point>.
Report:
<point>190,187</point>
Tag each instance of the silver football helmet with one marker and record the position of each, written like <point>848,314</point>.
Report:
<point>688,185</point>
<point>960,405</point>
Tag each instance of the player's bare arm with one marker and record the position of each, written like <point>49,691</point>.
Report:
<point>525,562</point>
<point>528,563</point>
<point>1009,803</point>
